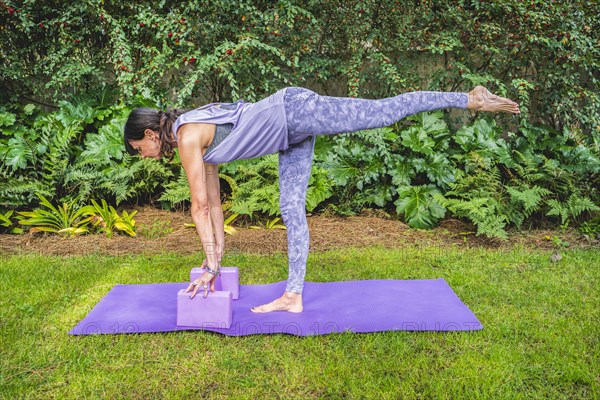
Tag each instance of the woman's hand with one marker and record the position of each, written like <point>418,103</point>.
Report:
<point>205,281</point>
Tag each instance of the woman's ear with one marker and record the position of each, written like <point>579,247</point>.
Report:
<point>150,134</point>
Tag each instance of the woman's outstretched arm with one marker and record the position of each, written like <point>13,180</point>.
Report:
<point>216,211</point>
<point>190,146</point>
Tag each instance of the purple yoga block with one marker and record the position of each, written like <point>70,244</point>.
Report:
<point>214,311</point>
<point>228,280</point>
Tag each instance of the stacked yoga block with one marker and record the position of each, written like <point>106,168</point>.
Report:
<point>214,311</point>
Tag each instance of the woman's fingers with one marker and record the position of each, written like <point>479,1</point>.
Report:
<point>196,285</point>
<point>195,290</point>
<point>190,287</point>
<point>205,284</point>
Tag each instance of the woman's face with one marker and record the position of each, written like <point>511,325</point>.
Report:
<point>149,146</point>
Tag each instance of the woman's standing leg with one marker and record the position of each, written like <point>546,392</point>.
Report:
<point>295,164</point>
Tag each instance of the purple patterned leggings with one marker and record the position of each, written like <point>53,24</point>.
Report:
<point>310,114</point>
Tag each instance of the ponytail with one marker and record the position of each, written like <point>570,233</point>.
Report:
<point>166,121</point>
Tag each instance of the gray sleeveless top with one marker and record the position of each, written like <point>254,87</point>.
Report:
<point>223,130</point>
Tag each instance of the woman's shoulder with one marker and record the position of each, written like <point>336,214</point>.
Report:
<point>196,133</point>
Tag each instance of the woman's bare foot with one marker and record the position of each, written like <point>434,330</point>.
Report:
<point>291,302</point>
<point>481,99</point>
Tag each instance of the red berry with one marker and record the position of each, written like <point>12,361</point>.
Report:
<point>229,51</point>
<point>11,10</point>
<point>169,34</point>
<point>192,59</point>
<point>41,25</point>
<point>142,24</point>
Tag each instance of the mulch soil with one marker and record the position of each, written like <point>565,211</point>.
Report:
<point>326,233</point>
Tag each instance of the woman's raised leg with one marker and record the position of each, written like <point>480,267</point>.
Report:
<point>309,113</point>
<point>295,164</point>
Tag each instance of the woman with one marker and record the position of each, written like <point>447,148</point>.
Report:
<point>287,122</point>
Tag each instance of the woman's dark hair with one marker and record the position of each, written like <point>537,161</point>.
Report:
<point>141,119</point>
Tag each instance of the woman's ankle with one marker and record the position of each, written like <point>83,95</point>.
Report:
<point>291,295</point>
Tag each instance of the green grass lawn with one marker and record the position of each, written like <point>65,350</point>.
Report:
<point>540,338</point>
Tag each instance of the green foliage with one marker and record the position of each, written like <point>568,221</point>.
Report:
<point>570,209</point>
<point>92,60</point>
<point>357,164</point>
<point>76,152</point>
<point>177,191</point>
<point>106,219</point>
<point>65,219</point>
<point>228,228</point>
<point>542,54</point>
<point>319,188</point>
<point>477,197</point>
<point>420,206</point>
<point>591,227</point>
<point>475,173</point>
<point>272,224</point>
<point>508,182</point>
<point>257,186</point>
<point>524,201</point>
<point>73,220</point>
<point>6,223</point>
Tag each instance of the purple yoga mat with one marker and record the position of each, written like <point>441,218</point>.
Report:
<point>329,307</point>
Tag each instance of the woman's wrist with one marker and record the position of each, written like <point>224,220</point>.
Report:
<point>213,271</point>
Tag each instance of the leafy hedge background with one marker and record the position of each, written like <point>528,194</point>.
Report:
<point>72,71</point>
